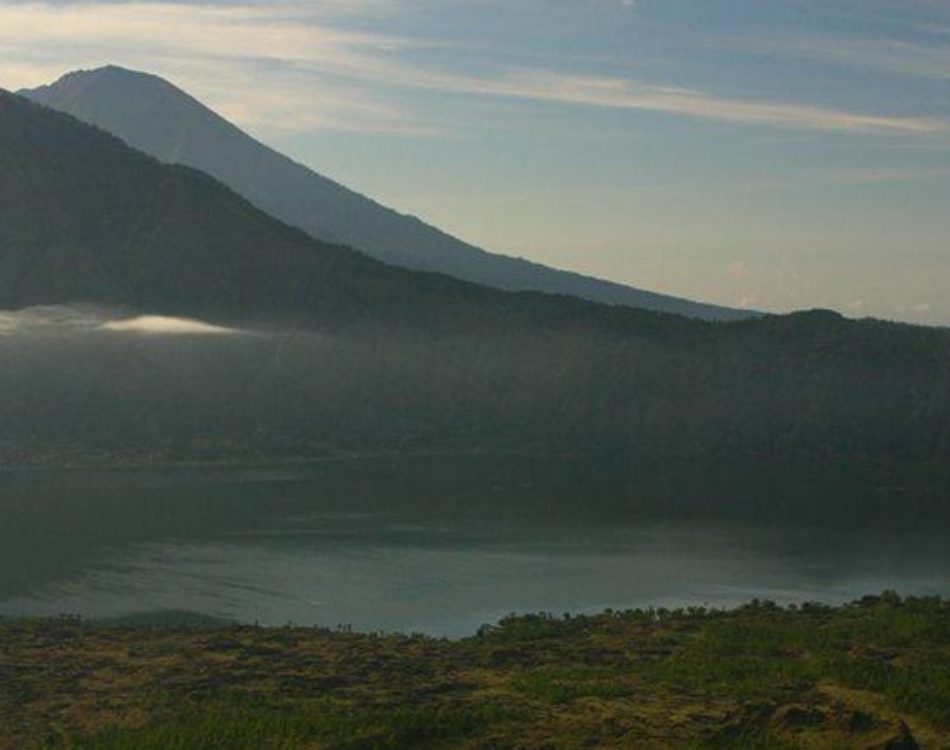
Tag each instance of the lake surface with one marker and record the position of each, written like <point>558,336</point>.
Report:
<point>440,552</point>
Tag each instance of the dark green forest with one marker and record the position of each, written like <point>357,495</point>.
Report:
<point>341,354</point>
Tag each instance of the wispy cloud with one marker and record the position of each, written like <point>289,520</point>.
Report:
<point>871,175</point>
<point>264,66</point>
<point>902,56</point>
<point>300,64</point>
<point>623,94</point>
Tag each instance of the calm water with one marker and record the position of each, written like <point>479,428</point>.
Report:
<point>412,550</point>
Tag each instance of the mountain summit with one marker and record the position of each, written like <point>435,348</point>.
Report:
<point>156,117</point>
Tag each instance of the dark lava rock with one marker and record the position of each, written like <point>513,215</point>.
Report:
<point>904,740</point>
<point>857,721</point>
<point>798,717</point>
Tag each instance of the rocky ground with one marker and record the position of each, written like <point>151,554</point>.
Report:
<point>873,675</point>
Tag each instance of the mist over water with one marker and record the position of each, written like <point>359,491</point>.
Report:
<point>317,546</point>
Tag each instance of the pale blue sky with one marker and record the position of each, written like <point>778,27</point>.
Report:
<point>774,153</point>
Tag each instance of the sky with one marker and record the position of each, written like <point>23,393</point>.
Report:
<point>770,154</point>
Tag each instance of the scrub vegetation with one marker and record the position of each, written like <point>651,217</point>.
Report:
<point>339,354</point>
<point>872,674</point>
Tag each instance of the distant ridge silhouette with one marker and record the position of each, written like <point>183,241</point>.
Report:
<point>85,218</point>
<point>154,116</point>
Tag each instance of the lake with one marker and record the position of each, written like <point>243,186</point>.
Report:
<point>432,545</point>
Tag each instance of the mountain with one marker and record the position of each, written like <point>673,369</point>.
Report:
<point>332,351</point>
<point>154,116</point>
<point>84,218</point>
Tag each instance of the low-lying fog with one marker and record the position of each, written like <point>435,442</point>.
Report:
<point>60,320</point>
<point>782,423</point>
<point>87,380</point>
<point>93,378</point>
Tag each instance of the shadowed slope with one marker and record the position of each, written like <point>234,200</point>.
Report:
<point>156,117</point>
<point>84,218</point>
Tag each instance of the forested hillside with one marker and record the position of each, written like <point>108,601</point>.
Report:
<point>338,352</point>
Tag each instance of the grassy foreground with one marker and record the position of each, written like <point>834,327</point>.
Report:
<point>873,674</point>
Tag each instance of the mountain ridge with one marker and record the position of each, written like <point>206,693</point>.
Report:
<point>85,218</point>
<point>154,116</point>
<point>341,353</point>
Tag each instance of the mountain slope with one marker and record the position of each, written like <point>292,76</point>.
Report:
<point>358,355</point>
<point>159,119</point>
<point>85,218</point>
